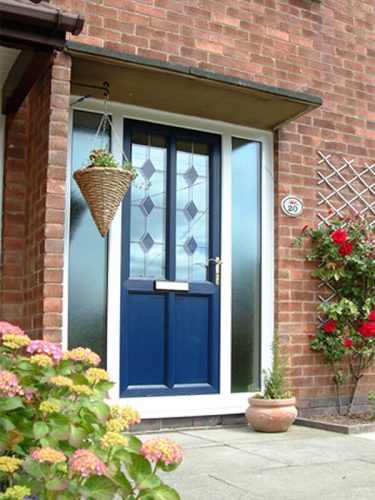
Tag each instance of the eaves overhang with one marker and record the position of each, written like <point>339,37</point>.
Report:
<point>147,82</point>
<point>36,30</point>
<point>26,25</point>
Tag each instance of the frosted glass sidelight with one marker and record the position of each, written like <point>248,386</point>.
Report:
<point>246,228</point>
<point>87,301</point>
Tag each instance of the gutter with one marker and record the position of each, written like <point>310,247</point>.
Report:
<point>36,26</point>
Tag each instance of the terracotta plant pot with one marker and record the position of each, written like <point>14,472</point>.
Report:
<point>271,415</point>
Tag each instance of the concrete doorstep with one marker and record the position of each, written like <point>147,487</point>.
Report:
<point>301,464</point>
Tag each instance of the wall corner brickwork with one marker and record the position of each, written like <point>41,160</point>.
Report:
<point>34,206</point>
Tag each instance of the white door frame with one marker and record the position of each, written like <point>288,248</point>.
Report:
<point>195,405</point>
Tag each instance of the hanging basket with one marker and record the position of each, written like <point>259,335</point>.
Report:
<point>103,189</point>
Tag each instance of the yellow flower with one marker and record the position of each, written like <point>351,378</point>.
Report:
<point>48,455</point>
<point>111,439</point>
<point>61,381</point>
<point>117,424</point>
<point>83,390</point>
<point>127,413</point>
<point>49,407</point>
<point>17,492</point>
<point>41,360</point>
<point>96,374</point>
<point>83,355</point>
<point>14,341</point>
<point>10,464</point>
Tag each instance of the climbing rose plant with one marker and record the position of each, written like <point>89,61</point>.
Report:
<point>59,440</point>
<point>344,254</point>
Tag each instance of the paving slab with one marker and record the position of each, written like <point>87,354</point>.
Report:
<point>301,464</point>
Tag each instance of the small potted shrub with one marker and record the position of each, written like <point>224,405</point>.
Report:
<point>275,410</point>
<point>104,183</point>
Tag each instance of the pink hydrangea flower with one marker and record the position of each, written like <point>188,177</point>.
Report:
<point>7,329</point>
<point>44,347</point>
<point>84,463</point>
<point>163,449</point>
<point>9,384</point>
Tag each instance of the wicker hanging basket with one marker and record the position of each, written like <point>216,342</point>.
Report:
<point>103,189</point>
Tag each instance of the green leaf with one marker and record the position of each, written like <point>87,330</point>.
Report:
<point>150,482</point>
<point>35,469</point>
<point>120,479</point>
<point>8,404</point>
<point>162,492</point>
<point>7,424</point>
<point>59,419</point>
<point>98,488</point>
<point>134,443</point>
<point>101,410</point>
<point>49,441</point>
<point>139,468</point>
<point>79,379</point>
<point>40,429</point>
<point>57,484</point>
<point>77,436</point>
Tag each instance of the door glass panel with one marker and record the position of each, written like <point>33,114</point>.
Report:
<point>245,265</point>
<point>148,206</point>
<point>192,217</point>
<point>87,250</point>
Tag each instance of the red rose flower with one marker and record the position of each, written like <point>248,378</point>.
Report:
<point>329,326</point>
<point>371,316</point>
<point>348,343</point>
<point>367,330</point>
<point>346,248</point>
<point>339,236</point>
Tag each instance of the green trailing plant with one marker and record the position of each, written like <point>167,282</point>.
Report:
<point>60,440</point>
<point>103,158</point>
<point>371,399</point>
<point>274,379</point>
<point>344,254</point>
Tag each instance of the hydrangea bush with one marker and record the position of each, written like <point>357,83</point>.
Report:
<point>59,440</point>
<point>344,254</point>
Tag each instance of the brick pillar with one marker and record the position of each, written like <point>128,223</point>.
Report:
<point>34,206</point>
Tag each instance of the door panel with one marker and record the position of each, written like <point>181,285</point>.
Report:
<point>170,339</point>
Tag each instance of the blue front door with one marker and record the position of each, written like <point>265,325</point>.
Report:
<point>170,283</point>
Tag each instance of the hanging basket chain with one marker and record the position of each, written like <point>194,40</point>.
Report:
<point>106,119</point>
<point>104,188</point>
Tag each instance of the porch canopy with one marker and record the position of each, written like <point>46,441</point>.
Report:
<point>150,83</point>
<point>30,33</point>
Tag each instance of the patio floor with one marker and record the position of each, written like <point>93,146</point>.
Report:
<point>302,464</point>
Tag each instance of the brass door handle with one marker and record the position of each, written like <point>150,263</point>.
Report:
<point>218,262</point>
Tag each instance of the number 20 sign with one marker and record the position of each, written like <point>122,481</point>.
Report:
<point>292,206</point>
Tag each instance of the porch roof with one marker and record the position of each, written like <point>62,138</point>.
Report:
<point>151,83</point>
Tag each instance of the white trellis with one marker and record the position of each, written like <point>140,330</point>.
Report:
<point>347,188</point>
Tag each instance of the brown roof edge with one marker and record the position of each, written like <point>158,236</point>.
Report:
<point>36,24</point>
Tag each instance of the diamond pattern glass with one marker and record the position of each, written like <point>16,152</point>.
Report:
<point>148,169</point>
<point>190,176</point>
<point>192,217</point>
<point>147,205</point>
<point>190,245</point>
<point>190,210</point>
<point>147,242</point>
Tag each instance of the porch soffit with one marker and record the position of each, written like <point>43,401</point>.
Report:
<point>186,90</point>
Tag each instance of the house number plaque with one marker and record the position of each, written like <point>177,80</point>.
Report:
<point>292,206</point>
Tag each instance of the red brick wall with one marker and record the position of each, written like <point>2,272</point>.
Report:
<point>34,206</point>
<point>325,48</point>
